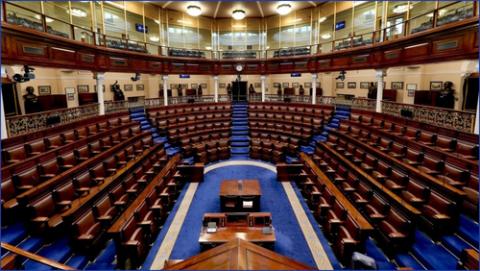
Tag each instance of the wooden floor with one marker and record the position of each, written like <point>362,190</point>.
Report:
<point>315,246</point>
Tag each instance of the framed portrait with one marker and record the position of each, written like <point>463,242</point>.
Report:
<point>222,85</point>
<point>340,85</point>
<point>295,85</point>
<point>194,85</point>
<point>44,90</point>
<point>258,85</point>
<point>285,84</point>
<point>70,91</point>
<point>436,85</point>
<point>140,87</point>
<point>352,85</point>
<point>82,88</point>
<point>276,85</point>
<point>204,86</point>
<point>128,87</point>
<point>411,88</point>
<point>397,85</point>
<point>307,85</point>
<point>364,85</point>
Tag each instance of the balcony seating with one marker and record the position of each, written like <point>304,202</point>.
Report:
<point>186,53</point>
<point>239,54</point>
<point>292,52</point>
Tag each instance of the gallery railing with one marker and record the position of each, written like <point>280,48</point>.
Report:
<point>23,124</point>
<point>117,106</point>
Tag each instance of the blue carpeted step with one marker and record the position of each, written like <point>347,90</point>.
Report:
<point>291,159</point>
<point>240,122</point>
<point>240,138</point>
<point>234,156</point>
<point>407,260</point>
<point>58,251</point>
<point>431,255</point>
<point>77,261</point>
<point>158,140</point>
<point>239,133</point>
<point>342,117</point>
<point>455,244</point>
<point>108,254</point>
<point>139,119</point>
<point>145,127</point>
<point>468,229</point>
<point>172,151</point>
<point>100,266</point>
<point>372,250</point>
<point>240,144</point>
<point>137,115</point>
<point>307,149</point>
<point>242,116</point>
<point>240,150</point>
<point>333,125</point>
<point>240,119</point>
<point>188,160</point>
<point>13,234</point>
<point>32,244</point>
<point>334,120</point>
<point>239,128</point>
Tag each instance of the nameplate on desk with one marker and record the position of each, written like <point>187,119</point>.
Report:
<point>211,230</point>
<point>248,204</point>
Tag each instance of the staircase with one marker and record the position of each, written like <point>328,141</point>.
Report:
<point>239,141</point>
<point>341,113</point>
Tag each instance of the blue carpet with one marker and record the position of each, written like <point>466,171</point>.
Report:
<point>13,234</point>
<point>58,251</point>
<point>31,244</point>
<point>455,244</point>
<point>432,255</point>
<point>240,138</point>
<point>290,240</point>
<point>407,260</point>
<point>372,250</point>
<point>77,261</point>
<point>240,150</point>
<point>469,230</point>
<point>108,253</point>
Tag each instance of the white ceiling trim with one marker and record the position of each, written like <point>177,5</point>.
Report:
<point>217,9</point>
<point>260,8</point>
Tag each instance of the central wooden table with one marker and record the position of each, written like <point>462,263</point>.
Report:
<point>240,195</point>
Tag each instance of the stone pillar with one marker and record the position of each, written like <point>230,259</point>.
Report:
<point>477,116</point>
<point>314,88</point>
<point>165,89</point>
<point>215,88</point>
<point>379,74</point>
<point>263,79</point>
<point>4,133</point>
<point>100,77</point>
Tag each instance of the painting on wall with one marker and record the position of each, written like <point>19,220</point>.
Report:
<point>204,86</point>
<point>44,90</point>
<point>194,85</point>
<point>340,85</point>
<point>276,85</point>
<point>140,87</point>
<point>70,91</point>
<point>364,85</point>
<point>397,85</point>
<point>411,88</point>
<point>285,84</point>
<point>307,85</point>
<point>222,85</point>
<point>295,85</point>
<point>352,85</point>
<point>436,85</point>
<point>82,88</point>
<point>258,85</point>
<point>128,87</point>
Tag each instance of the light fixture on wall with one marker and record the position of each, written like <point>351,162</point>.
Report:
<point>154,38</point>
<point>238,14</point>
<point>323,19</point>
<point>284,9</point>
<point>136,77</point>
<point>326,36</point>
<point>194,11</point>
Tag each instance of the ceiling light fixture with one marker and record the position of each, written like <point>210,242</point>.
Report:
<point>238,14</point>
<point>284,9</point>
<point>194,10</point>
<point>326,36</point>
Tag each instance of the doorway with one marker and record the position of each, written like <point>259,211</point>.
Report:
<point>239,91</point>
<point>470,93</point>
<point>10,98</point>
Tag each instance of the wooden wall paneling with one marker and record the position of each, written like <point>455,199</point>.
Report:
<point>341,62</point>
<point>324,64</point>
<point>62,56</point>
<point>138,64</point>
<point>390,56</point>
<point>27,50</point>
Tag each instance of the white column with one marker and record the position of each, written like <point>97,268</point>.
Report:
<point>314,88</point>
<point>380,74</point>
<point>165,89</point>
<point>215,88</point>
<point>100,76</point>
<point>477,116</point>
<point>4,133</point>
<point>263,79</point>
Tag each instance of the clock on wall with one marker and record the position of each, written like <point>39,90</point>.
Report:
<point>239,67</point>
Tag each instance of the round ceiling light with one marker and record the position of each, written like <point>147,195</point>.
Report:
<point>284,9</point>
<point>238,14</point>
<point>194,11</point>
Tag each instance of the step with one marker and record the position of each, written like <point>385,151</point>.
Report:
<point>58,251</point>
<point>189,160</point>
<point>239,115</point>
<point>108,253</point>
<point>372,250</point>
<point>468,229</point>
<point>240,144</point>
<point>307,149</point>
<point>455,244</point>
<point>239,128</point>
<point>291,159</point>
<point>32,244</point>
<point>239,133</point>
<point>239,122</point>
<point>77,261</point>
<point>13,234</point>
<point>100,266</point>
<point>172,151</point>
<point>136,115</point>
<point>431,255</point>
<point>240,150</point>
<point>408,260</point>
<point>239,119</point>
<point>240,138</point>
<point>145,127</point>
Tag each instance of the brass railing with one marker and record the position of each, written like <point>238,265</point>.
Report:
<point>23,124</point>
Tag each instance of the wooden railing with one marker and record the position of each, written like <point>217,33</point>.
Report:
<point>35,257</point>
